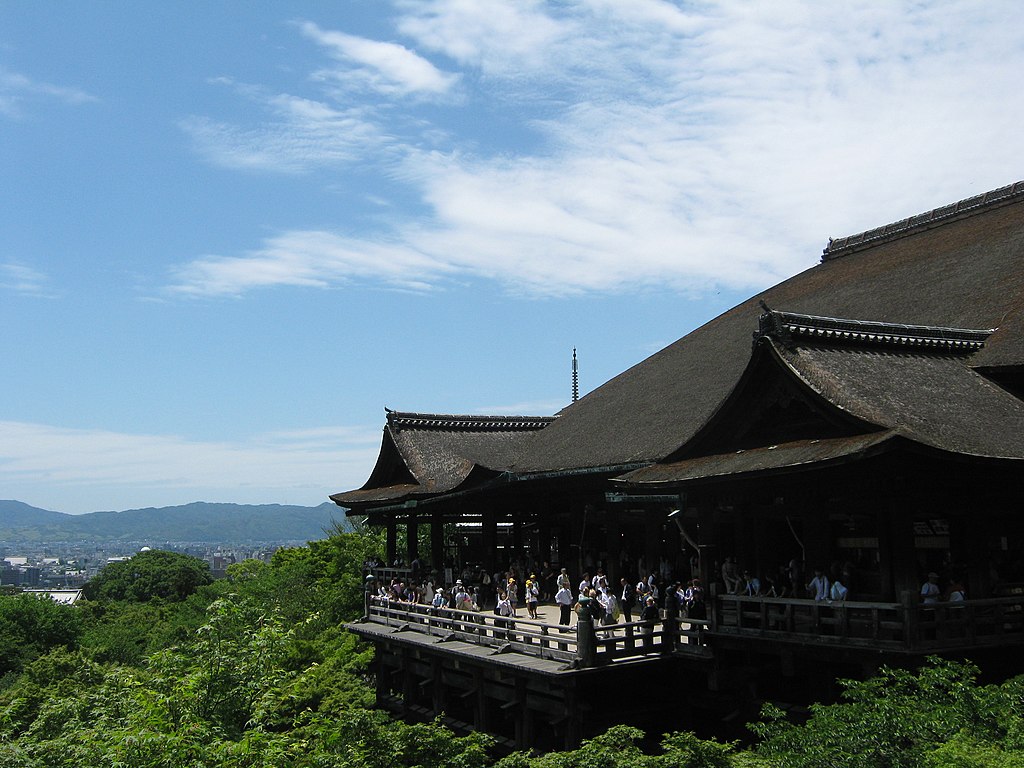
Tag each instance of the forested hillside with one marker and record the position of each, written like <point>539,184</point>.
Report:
<point>196,522</point>
<point>163,667</point>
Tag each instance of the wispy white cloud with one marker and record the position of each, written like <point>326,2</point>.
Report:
<point>311,259</point>
<point>26,281</point>
<point>677,146</point>
<point>155,470</point>
<point>495,37</point>
<point>388,68</point>
<point>300,134</point>
<point>16,89</point>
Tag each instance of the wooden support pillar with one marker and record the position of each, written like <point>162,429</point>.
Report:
<point>489,539</point>
<point>574,553</point>
<point>437,686</point>
<point>613,545</point>
<point>574,721</point>
<point>652,541</point>
<point>382,679</point>
<point>707,544</point>
<point>544,541</point>
<point>524,717</point>
<point>896,549</point>
<point>437,542</point>
<point>411,539</point>
<point>391,544</point>
<point>480,718</point>
<point>746,541</point>
<point>408,684</point>
<point>517,536</point>
<point>761,562</point>
<point>968,539</point>
<point>816,540</point>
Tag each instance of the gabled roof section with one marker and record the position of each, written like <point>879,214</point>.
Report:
<point>956,269</point>
<point>914,380</point>
<point>881,381</point>
<point>423,454</point>
<point>770,404</point>
<point>791,327</point>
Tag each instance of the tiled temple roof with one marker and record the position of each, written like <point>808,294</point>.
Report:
<point>445,422</point>
<point>922,221</point>
<point>787,326</point>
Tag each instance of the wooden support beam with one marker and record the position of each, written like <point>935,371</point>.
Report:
<point>437,542</point>
<point>412,546</point>
<point>391,541</point>
<point>439,689</point>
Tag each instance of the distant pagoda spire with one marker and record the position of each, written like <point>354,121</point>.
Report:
<point>575,378</point>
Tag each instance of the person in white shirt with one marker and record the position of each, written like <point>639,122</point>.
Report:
<point>563,598</point>
<point>930,589</point>
<point>819,585</point>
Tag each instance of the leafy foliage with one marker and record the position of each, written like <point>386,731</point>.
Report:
<point>256,671</point>
<point>619,747</point>
<point>904,719</point>
<point>31,626</point>
<point>149,575</point>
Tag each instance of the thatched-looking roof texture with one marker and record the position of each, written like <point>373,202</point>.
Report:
<point>950,280</point>
<point>427,454</point>
<point>964,271</point>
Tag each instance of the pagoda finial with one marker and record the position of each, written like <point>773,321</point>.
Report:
<point>575,378</point>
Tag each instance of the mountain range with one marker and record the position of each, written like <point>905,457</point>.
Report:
<point>196,522</point>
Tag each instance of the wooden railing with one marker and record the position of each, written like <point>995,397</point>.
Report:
<point>904,626</point>
<point>384,573</point>
<point>539,639</point>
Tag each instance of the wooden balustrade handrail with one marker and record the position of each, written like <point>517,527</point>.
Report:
<point>907,626</point>
<point>983,601</point>
<point>537,638</point>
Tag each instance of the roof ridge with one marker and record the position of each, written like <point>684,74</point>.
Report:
<point>465,422</point>
<point>788,325</point>
<point>923,221</point>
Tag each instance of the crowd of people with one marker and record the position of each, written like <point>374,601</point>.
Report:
<point>658,595</point>
<point>645,600</point>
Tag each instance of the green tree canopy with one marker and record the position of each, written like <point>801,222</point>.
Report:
<point>150,574</point>
<point>935,716</point>
<point>30,626</point>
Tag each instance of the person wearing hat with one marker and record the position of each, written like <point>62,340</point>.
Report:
<point>532,597</point>
<point>513,594</point>
<point>438,599</point>
<point>930,589</point>
<point>461,595</point>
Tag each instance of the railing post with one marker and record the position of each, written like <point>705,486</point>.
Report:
<point>671,625</point>
<point>586,640</point>
<point>671,636</point>
<point>368,589</point>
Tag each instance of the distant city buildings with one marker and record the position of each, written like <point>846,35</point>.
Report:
<point>67,565</point>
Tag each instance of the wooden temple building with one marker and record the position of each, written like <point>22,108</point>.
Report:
<point>864,418</point>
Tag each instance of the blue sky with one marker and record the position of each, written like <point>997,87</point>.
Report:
<point>233,232</point>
